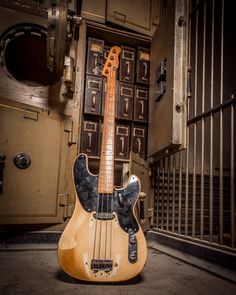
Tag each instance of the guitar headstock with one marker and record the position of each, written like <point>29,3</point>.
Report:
<point>112,62</point>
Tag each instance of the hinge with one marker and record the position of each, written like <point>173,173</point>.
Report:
<point>63,201</point>
<point>72,135</point>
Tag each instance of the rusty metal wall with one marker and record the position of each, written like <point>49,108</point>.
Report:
<point>195,188</point>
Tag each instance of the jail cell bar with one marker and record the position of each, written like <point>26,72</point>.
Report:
<point>195,188</point>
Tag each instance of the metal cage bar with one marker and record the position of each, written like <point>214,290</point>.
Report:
<point>195,131</point>
<point>195,187</point>
<point>211,125</point>
<point>221,211</point>
<point>232,176</point>
<point>203,128</point>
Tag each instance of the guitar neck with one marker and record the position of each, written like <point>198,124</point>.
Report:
<point>106,172</point>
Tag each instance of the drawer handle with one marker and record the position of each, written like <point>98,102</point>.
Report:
<point>93,101</point>
<point>122,145</point>
<point>189,82</point>
<point>145,71</point>
<point>142,109</point>
<point>126,107</point>
<point>95,70</point>
<point>119,16</point>
<point>139,145</point>
<point>90,142</point>
<point>128,69</point>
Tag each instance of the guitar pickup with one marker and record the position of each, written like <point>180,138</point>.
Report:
<point>104,215</point>
<point>105,265</point>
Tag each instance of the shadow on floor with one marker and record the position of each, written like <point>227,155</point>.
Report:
<point>64,277</point>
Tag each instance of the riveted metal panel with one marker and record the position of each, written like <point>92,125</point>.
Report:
<point>167,112</point>
<point>31,195</point>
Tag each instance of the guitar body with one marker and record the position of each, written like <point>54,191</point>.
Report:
<point>103,241</point>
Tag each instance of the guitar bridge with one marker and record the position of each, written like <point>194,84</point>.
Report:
<point>98,264</point>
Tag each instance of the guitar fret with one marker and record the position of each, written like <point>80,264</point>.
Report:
<point>106,175</point>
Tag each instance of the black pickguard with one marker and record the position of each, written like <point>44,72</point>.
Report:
<point>120,202</point>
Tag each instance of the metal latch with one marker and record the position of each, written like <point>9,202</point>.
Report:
<point>69,127</point>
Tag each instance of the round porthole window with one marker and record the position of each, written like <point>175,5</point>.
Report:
<point>23,54</point>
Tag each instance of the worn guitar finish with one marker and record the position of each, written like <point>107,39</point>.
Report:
<point>103,241</point>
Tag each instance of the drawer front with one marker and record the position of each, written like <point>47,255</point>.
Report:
<point>125,102</point>
<point>106,51</point>
<point>143,66</point>
<point>141,104</point>
<point>122,136</point>
<point>90,138</point>
<point>127,64</point>
<point>94,57</point>
<point>93,95</point>
<point>138,140</point>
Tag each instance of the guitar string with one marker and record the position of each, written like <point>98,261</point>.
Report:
<point>112,204</point>
<point>110,95</point>
<point>101,221</point>
<point>100,235</point>
<point>95,234</point>
<point>103,195</point>
<point>106,227</point>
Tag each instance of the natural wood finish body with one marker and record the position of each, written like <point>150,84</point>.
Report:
<point>75,249</point>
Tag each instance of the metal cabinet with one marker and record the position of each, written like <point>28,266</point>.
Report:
<point>35,147</point>
<point>138,15</point>
<point>168,82</point>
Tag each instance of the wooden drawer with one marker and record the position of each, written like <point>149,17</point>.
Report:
<point>122,140</point>
<point>127,64</point>
<point>141,104</point>
<point>90,138</point>
<point>125,101</point>
<point>94,57</point>
<point>93,95</point>
<point>138,140</point>
<point>143,66</point>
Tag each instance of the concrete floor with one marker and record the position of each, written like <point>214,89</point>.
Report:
<point>37,272</point>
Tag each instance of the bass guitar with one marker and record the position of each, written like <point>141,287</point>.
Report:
<point>103,240</point>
